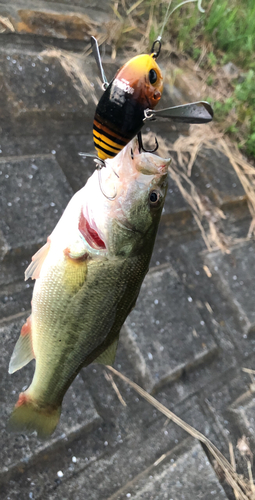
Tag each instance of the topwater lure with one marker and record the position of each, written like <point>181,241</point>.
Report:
<point>129,100</point>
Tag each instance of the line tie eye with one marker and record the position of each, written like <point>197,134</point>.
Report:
<point>153,76</point>
<point>154,197</point>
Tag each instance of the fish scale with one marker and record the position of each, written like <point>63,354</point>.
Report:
<point>100,315</point>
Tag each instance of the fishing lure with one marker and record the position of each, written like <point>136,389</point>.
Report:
<point>119,115</point>
<point>129,99</point>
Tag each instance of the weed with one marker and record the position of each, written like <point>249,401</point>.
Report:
<point>231,24</point>
<point>196,53</point>
<point>212,59</point>
<point>240,105</point>
<point>210,80</point>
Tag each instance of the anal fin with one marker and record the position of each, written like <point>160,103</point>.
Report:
<point>34,268</point>
<point>23,351</point>
<point>108,356</point>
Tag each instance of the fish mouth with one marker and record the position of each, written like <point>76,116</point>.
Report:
<point>90,234</point>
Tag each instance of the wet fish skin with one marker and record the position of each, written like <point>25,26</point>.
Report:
<point>84,292</point>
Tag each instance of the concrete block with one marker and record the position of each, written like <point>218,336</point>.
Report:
<point>165,330</point>
<point>15,298</point>
<point>37,85</point>
<point>235,279</point>
<point>242,411</point>
<point>189,475</point>
<point>33,196</point>
<point>143,437</point>
<point>55,19</point>
<point>214,175</point>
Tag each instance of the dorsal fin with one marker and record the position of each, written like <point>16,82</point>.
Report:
<point>34,268</point>
<point>23,351</point>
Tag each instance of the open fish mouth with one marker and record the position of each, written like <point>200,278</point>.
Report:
<point>90,234</point>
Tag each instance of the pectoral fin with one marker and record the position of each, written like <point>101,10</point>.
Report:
<point>23,351</point>
<point>77,250</point>
<point>34,268</point>
<point>108,356</point>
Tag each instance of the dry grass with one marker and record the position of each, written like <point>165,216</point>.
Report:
<point>73,64</point>
<point>109,378</point>
<point>243,488</point>
<point>206,214</point>
<point>209,137</point>
<point>6,25</point>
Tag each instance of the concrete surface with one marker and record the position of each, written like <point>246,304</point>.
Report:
<point>192,330</point>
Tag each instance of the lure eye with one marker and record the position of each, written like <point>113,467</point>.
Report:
<point>153,76</point>
<point>154,198</point>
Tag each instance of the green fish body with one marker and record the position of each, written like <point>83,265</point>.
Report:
<point>88,276</point>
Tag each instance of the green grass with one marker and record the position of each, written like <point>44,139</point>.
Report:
<point>231,24</point>
<point>228,24</point>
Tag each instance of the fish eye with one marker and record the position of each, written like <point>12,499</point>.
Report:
<point>154,198</point>
<point>153,76</point>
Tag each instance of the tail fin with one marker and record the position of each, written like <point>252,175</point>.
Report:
<point>27,415</point>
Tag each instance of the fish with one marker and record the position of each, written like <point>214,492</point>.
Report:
<point>87,279</point>
<point>129,100</point>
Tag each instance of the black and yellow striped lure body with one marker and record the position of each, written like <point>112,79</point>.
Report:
<point>119,116</point>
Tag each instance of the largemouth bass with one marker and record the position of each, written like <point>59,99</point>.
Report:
<point>88,276</point>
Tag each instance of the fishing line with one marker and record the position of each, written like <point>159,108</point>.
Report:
<point>166,18</point>
<point>199,6</point>
<point>159,38</point>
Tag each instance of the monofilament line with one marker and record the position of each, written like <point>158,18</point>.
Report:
<point>168,14</point>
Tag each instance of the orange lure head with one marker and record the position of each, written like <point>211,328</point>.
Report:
<point>143,79</point>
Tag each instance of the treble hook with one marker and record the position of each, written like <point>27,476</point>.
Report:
<point>100,164</point>
<point>111,198</point>
<point>140,144</point>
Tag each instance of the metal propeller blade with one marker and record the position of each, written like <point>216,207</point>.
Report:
<point>96,53</point>
<point>194,112</point>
